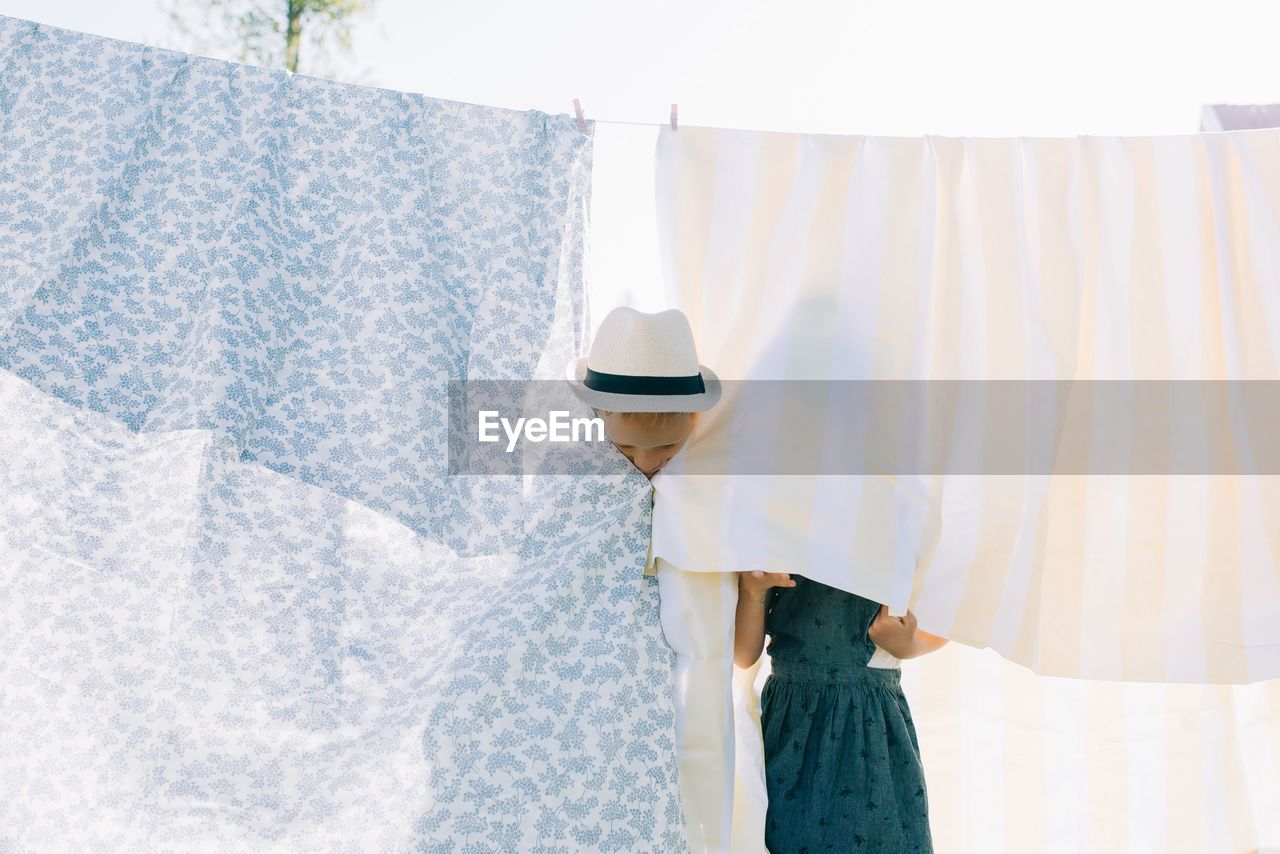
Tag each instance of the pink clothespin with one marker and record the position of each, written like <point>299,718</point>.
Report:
<point>673,117</point>
<point>582,122</point>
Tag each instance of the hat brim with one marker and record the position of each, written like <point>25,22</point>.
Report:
<point>576,372</point>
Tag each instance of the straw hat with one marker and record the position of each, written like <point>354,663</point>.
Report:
<point>642,362</point>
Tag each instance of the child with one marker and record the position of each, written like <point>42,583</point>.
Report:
<point>842,764</point>
<point>643,379</point>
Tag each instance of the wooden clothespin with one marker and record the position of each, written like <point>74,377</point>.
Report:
<point>673,117</point>
<point>582,122</point>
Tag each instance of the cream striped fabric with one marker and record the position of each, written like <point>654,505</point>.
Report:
<point>809,256</point>
<point>1018,762</point>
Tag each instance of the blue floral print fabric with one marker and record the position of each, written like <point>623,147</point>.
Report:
<point>244,605</point>
<point>295,263</point>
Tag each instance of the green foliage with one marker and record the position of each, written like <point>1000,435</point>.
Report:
<point>301,35</point>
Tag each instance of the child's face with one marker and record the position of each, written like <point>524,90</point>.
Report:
<point>648,439</point>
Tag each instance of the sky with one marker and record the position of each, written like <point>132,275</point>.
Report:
<point>888,67</point>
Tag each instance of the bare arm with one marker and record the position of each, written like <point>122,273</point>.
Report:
<point>748,632</point>
<point>899,636</point>
<point>927,643</point>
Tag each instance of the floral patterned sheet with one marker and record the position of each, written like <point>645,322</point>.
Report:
<point>243,604</point>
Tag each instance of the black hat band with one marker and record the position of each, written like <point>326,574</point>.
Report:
<point>627,384</point>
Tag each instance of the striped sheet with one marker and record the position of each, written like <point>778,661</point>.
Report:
<point>1018,762</point>
<point>812,256</point>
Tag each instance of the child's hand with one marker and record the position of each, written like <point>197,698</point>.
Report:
<point>895,635</point>
<point>756,583</point>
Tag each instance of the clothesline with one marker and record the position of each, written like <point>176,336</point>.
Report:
<point>581,114</point>
<point>1203,131</point>
<point>637,124</point>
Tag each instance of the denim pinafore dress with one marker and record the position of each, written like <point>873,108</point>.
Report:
<point>842,763</point>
